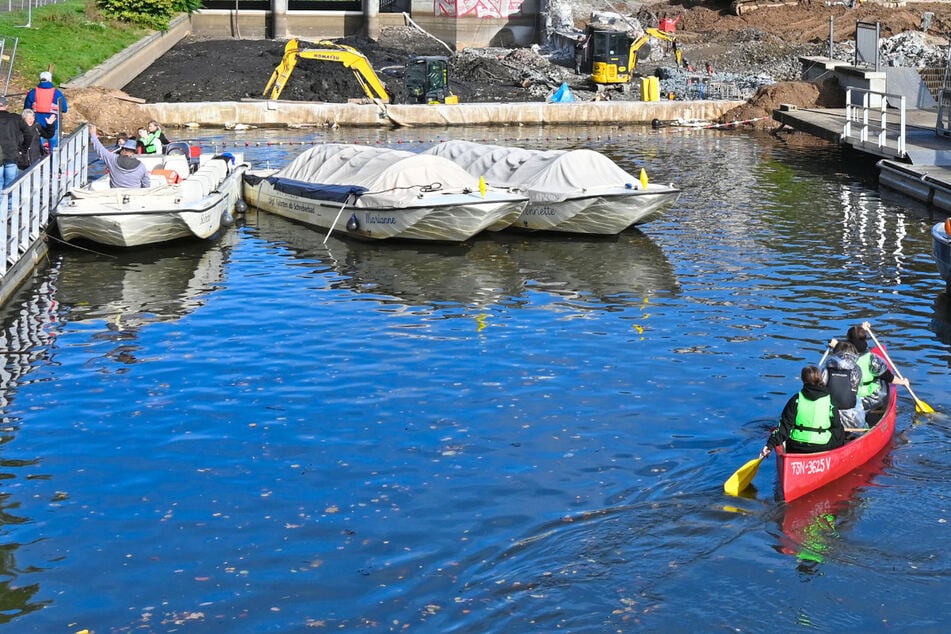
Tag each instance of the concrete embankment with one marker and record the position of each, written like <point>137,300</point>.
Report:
<point>281,113</point>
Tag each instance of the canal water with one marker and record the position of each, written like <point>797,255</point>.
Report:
<point>523,433</point>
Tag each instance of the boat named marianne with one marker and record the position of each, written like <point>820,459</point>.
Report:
<point>372,193</point>
<point>192,195</point>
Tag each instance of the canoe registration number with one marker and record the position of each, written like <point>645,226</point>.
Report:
<point>809,467</point>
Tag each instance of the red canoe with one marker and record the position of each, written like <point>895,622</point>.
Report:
<point>800,473</point>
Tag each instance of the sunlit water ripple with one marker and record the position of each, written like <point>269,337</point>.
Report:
<point>522,433</point>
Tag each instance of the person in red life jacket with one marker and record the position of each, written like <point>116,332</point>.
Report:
<point>808,423</point>
<point>45,100</point>
<point>875,372</point>
<point>15,138</point>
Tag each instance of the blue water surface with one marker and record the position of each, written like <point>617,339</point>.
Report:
<point>523,433</point>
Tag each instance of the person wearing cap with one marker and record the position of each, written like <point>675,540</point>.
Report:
<point>124,169</point>
<point>45,100</point>
<point>15,138</point>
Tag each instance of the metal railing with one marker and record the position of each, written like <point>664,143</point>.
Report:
<point>871,119</point>
<point>27,205</point>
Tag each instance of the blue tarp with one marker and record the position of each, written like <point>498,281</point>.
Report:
<point>563,94</point>
<point>316,191</point>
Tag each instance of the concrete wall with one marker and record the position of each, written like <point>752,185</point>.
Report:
<point>281,113</point>
<point>466,31</point>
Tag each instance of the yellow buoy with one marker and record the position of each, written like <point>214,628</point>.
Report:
<point>643,179</point>
<point>482,186</point>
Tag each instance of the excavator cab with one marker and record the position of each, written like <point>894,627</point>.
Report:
<point>609,57</point>
<point>426,80</point>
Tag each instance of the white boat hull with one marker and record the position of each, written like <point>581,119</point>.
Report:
<point>598,214</point>
<point>442,217</point>
<point>136,217</point>
<point>941,245</point>
<point>570,191</point>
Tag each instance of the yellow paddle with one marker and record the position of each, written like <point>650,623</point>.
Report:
<point>742,478</point>
<point>920,406</point>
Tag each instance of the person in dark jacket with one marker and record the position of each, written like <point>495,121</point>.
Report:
<point>843,377</point>
<point>809,423</point>
<point>42,129</point>
<point>15,137</point>
<point>876,375</point>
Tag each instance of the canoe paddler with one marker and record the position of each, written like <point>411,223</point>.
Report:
<point>876,375</point>
<point>808,423</point>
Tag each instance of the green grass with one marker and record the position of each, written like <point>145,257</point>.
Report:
<point>71,36</point>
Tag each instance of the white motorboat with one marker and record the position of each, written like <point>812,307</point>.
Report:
<point>375,193</point>
<point>190,196</point>
<point>571,191</point>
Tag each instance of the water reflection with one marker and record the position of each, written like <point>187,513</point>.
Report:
<point>25,341</point>
<point>492,268</point>
<point>813,525</point>
<point>597,270</point>
<point>128,289</point>
<point>470,274</point>
<point>941,322</point>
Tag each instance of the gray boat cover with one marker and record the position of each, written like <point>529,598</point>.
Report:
<point>542,175</point>
<point>391,178</point>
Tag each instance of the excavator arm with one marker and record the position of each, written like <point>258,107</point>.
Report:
<point>327,51</point>
<point>649,32</point>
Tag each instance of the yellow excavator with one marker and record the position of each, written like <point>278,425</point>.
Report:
<point>426,78</point>
<point>614,55</point>
<point>327,51</point>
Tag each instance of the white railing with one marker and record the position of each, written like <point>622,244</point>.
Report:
<point>874,106</point>
<point>26,206</point>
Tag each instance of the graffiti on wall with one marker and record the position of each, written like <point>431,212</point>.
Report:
<point>478,8</point>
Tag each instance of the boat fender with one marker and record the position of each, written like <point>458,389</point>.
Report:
<point>656,123</point>
<point>947,227</point>
<point>226,218</point>
<point>171,176</point>
<point>240,206</point>
<point>353,224</point>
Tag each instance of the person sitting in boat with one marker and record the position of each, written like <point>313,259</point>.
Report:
<point>124,169</point>
<point>152,139</point>
<point>842,375</point>
<point>876,374</point>
<point>809,422</point>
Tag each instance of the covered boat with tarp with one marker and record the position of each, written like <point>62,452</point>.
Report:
<point>377,193</point>
<point>571,191</point>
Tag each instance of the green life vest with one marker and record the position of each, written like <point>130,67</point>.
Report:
<point>869,385</point>
<point>149,142</point>
<point>813,421</point>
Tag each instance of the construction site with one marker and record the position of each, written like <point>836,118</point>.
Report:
<point>706,51</point>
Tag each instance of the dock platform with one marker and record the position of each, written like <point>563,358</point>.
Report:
<point>916,163</point>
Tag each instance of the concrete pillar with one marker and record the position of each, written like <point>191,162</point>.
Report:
<point>279,19</point>
<point>371,18</point>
